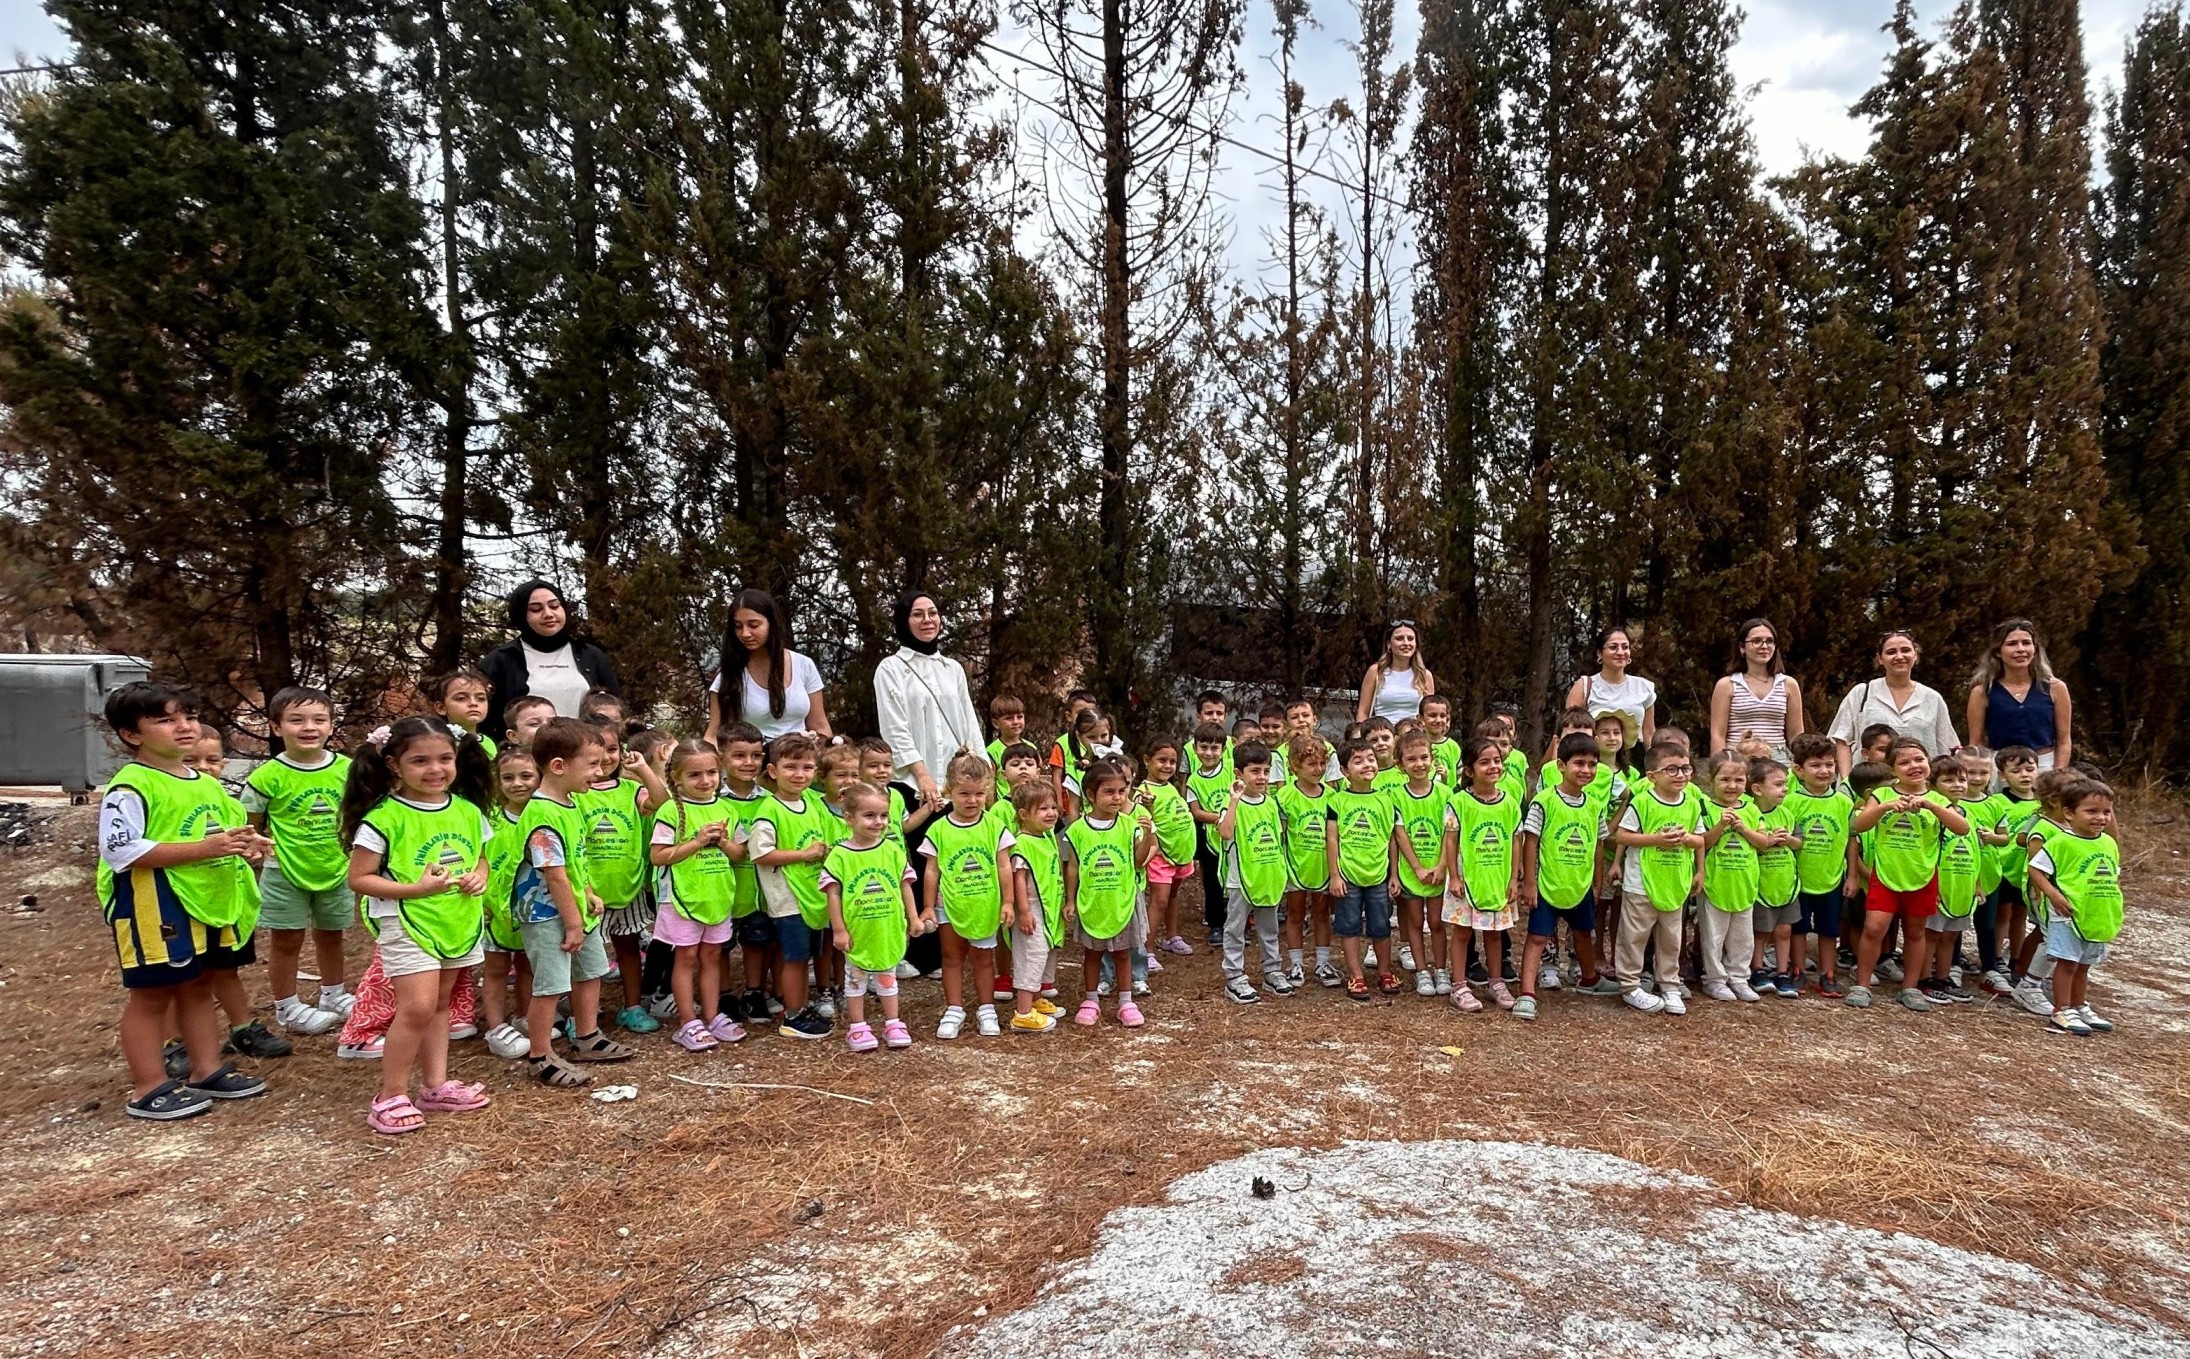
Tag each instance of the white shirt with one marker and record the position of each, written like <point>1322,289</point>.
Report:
<point>925,712</point>
<point>1396,696</point>
<point>799,688</point>
<point>554,676</point>
<point>1925,718</point>
<point>1633,695</point>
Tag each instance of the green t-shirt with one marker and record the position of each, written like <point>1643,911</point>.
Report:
<point>1174,821</point>
<point>183,811</point>
<point>1422,821</point>
<point>569,827</point>
<point>304,820</point>
<point>1668,874</point>
<point>870,887</point>
<point>1905,845</point>
<point>1778,871</point>
<point>615,841</point>
<point>1486,833</point>
<point>1107,877</point>
<point>796,828</point>
<point>1447,755</point>
<point>1730,874</point>
<point>2089,874</point>
<point>969,873</point>
<point>1822,821</point>
<point>1046,870</point>
<point>1961,866</point>
<point>1566,847</point>
<point>2011,861</point>
<point>703,885</point>
<point>1256,852</point>
<point>1307,853</point>
<point>448,923</point>
<point>1365,822</point>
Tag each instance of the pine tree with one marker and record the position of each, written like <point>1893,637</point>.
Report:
<point>2139,642</point>
<point>202,396</point>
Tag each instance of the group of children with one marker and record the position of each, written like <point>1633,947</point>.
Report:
<point>502,885</point>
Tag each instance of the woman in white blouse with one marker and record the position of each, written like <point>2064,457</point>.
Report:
<point>1396,684</point>
<point>1896,700</point>
<point>774,688</point>
<point>1613,689</point>
<point>921,700</point>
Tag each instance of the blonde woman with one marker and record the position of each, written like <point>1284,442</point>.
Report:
<point>1396,684</point>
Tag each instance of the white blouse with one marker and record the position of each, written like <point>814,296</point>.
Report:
<point>799,689</point>
<point>925,711</point>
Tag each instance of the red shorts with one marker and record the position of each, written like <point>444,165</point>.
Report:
<point>1922,902</point>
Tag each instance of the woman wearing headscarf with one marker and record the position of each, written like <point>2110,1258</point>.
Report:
<point>921,700</point>
<point>546,658</point>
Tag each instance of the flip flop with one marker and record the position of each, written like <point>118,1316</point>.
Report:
<point>454,1097</point>
<point>394,1116</point>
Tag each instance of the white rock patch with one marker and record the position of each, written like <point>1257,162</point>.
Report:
<point>1518,1249</point>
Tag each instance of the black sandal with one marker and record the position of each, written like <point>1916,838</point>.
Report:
<point>170,1100</point>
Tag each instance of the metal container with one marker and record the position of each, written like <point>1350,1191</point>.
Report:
<point>52,728</point>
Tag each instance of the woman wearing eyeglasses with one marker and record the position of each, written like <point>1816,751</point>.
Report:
<point>1895,699</point>
<point>2015,699</point>
<point>1396,684</point>
<point>1758,698</point>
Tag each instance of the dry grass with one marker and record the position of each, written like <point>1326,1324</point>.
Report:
<point>700,1220</point>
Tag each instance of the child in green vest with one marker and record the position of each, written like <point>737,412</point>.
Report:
<point>461,698</point>
<point>558,913</point>
<point>1303,807</point>
<point>1358,844</point>
<point>871,913</point>
<point>1253,835</point>
<point>1038,906</point>
<point>619,806</point>
<point>962,890</point>
<point>516,779</point>
<point>415,817</point>
<point>1961,888</point>
<point>2002,920</point>
<point>1482,869</point>
<point>295,798</point>
<point>2079,873</point>
<point>246,1035</point>
<point>742,752</point>
<point>1819,809</point>
<point>1419,802</point>
<point>1173,860</point>
<point>1444,750</point>
<point>1572,722</point>
<point>1562,867</point>
<point>1208,791</point>
<point>1911,825</point>
<point>1008,718</point>
<point>2034,962</point>
<point>786,838</point>
<point>1779,877</point>
<point>1103,854</point>
<point>1662,830</point>
<point>694,852</point>
<point>1731,843</point>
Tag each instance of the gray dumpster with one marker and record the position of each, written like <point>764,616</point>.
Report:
<point>51,728</point>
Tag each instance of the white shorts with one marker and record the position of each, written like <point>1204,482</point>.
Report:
<point>400,955</point>
<point>882,984</point>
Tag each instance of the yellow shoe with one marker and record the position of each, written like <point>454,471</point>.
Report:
<point>1043,1007</point>
<point>1032,1023</point>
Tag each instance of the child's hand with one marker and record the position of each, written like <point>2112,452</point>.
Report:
<point>843,939</point>
<point>1672,837</point>
<point>815,853</point>
<point>594,899</point>
<point>235,840</point>
<point>434,879</point>
<point>474,883</point>
<point>632,760</point>
<point>1026,919</point>
<point>574,936</point>
<point>1239,788</point>
<point>927,923</point>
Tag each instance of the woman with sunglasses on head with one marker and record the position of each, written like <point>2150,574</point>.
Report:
<point>1758,698</point>
<point>1895,700</point>
<point>1613,688</point>
<point>2015,699</point>
<point>1398,681</point>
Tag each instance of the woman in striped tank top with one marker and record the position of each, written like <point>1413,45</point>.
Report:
<point>1759,699</point>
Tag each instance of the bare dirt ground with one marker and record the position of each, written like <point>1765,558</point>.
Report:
<point>965,1195</point>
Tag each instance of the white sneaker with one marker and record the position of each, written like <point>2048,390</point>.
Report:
<point>1744,991</point>
<point>1242,991</point>
<point>1425,984</point>
<point>1548,978</point>
<point>1889,970</point>
<point>459,1033</point>
<point>1296,976</point>
<point>2069,1021</point>
<point>953,1020</point>
<point>1368,959</point>
<point>1718,990</point>
<point>2030,993</point>
<point>505,1042</point>
<point>1442,981</point>
<point>907,972</point>
<point>1142,988</point>
<point>309,1020</point>
<point>1674,1005</point>
<point>341,1002</point>
<point>984,1022</point>
<point>1406,958</point>
<point>1105,989</point>
<point>1643,1001</point>
<point>1328,975</point>
<point>2092,1020</point>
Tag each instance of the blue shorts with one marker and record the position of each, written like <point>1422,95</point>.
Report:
<point>1820,913</point>
<point>1544,918</point>
<point>2064,945</point>
<point>796,939</point>
<point>755,930</point>
<point>1363,910</point>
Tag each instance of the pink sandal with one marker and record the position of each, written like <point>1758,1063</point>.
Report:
<point>394,1116</point>
<point>1129,1014</point>
<point>454,1097</point>
<point>1090,1011</point>
<point>895,1034</point>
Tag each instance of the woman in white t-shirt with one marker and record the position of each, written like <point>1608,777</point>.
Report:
<point>1613,689</point>
<point>776,689</point>
<point>1396,684</point>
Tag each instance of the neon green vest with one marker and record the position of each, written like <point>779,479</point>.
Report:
<point>1307,855</point>
<point>448,923</point>
<point>800,827</point>
<point>569,825</point>
<point>1667,874</point>
<point>1905,846</point>
<point>183,811</point>
<point>1174,822</point>
<point>747,899</point>
<point>1047,870</point>
<point>1730,871</point>
<point>1212,792</point>
<point>1257,850</point>
<point>1486,835</point>
<point>1422,821</point>
<point>1365,822</point>
<point>705,885</point>
<point>871,894</point>
<point>969,880</point>
<point>304,820</point>
<point>1566,851</point>
<point>505,850</point>
<point>1961,865</point>
<point>1777,870</point>
<point>2089,874</point>
<point>1822,821</point>
<point>1107,875</point>
<point>615,841</point>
